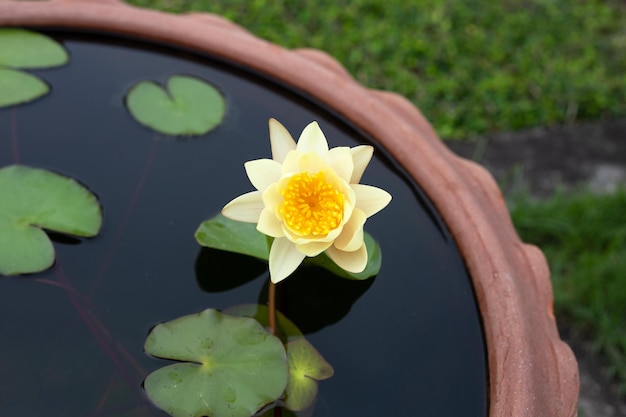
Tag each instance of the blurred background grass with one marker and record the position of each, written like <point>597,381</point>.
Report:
<point>583,236</point>
<point>482,66</point>
<point>472,67</point>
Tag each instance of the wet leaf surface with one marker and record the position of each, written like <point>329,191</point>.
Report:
<point>231,366</point>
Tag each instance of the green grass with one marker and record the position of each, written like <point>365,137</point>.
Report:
<point>471,66</point>
<point>584,238</point>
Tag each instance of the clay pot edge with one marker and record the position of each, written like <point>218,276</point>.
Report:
<point>531,371</point>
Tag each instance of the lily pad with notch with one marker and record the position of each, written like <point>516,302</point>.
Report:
<point>33,199</point>
<point>189,106</point>
<point>306,367</point>
<point>231,366</point>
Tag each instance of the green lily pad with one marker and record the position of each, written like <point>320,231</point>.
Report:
<point>18,87</point>
<point>229,235</point>
<point>306,364</point>
<point>232,366</point>
<point>232,236</point>
<point>306,367</point>
<point>27,50</point>
<point>32,199</point>
<point>286,329</point>
<point>271,412</point>
<point>24,49</point>
<point>190,106</point>
<point>374,261</point>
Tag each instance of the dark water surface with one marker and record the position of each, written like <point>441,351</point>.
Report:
<point>407,343</point>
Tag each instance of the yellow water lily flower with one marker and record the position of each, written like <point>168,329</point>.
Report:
<point>308,198</point>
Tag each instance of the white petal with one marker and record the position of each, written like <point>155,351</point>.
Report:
<point>269,225</point>
<point>370,199</point>
<point>280,141</point>
<point>312,139</point>
<point>263,172</point>
<point>284,259</point>
<point>303,240</point>
<point>340,160</point>
<point>271,197</point>
<point>361,155</point>
<point>347,206</point>
<point>351,237</point>
<point>354,261</point>
<point>313,248</point>
<point>245,208</point>
<point>291,162</point>
<point>311,162</point>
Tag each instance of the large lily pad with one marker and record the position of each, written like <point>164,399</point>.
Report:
<point>32,199</point>
<point>229,235</point>
<point>232,366</point>
<point>190,106</point>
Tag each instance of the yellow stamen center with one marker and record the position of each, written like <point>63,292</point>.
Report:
<point>311,205</point>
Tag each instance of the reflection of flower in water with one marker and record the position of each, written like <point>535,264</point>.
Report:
<point>309,199</point>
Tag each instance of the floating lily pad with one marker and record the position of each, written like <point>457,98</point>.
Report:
<point>271,412</point>
<point>306,367</point>
<point>24,49</point>
<point>190,106</point>
<point>229,235</point>
<point>286,331</point>
<point>374,261</point>
<point>32,199</point>
<point>306,364</point>
<point>232,366</point>
<point>18,87</point>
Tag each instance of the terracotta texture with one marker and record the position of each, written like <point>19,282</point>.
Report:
<point>532,373</point>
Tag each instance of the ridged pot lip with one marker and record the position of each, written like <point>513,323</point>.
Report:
<point>532,372</point>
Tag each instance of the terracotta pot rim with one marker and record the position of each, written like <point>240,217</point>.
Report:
<point>531,371</point>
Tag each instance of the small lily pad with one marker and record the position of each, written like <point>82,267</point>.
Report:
<point>18,87</point>
<point>229,235</point>
<point>190,106</point>
<point>306,367</point>
<point>232,366</point>
<point>32,199</point>
<point>24,49</point>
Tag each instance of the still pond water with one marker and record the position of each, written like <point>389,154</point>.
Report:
<point>406,343</point>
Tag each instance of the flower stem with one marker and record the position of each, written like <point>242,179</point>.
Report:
<point>272,308</point>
